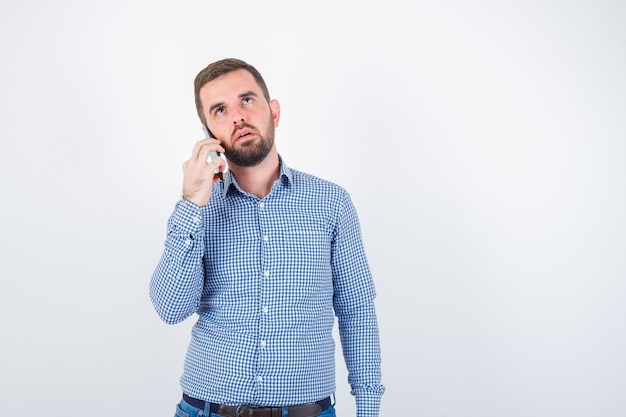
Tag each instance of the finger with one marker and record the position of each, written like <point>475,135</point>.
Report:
<point>217,166</point>
<point>214,152</point>
<point>195,153</point>
<point>205,153</point>
<point>217,163</point>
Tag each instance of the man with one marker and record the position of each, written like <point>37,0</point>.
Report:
<point>266,258</point>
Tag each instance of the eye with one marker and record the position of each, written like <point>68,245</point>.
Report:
<point>247,100</point>
<point>219,111</point>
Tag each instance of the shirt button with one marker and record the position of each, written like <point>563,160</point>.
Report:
<point>261,205</point>
<point>187,242</point>
<point>259,378</point>
<point>265,309</point>
<point>266,238</point>
<point>266,273</point>
<point>263,343</point>
<point>196,219</point>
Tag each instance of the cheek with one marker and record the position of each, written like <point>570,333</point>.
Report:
<point>222,132</point>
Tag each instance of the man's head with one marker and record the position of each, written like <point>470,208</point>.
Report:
<point>233,103</point>
<point>223,67</point>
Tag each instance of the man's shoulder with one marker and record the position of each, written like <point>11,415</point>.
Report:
<point>313,182</point>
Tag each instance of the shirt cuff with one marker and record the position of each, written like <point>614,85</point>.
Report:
<point>187,218</point>
<point>368,399</point>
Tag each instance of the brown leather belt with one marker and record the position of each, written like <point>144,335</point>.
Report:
<point>303,410</point>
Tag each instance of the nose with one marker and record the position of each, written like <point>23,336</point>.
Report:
<point>238,115</point>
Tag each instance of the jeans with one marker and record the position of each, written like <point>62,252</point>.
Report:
<point>185,410</point>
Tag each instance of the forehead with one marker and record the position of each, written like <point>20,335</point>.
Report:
<point>229,86</point>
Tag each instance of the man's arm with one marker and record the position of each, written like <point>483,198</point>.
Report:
<point>354,307</point>
<point>358,330</point>
<point>177,282</point>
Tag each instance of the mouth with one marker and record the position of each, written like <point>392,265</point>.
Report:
<point>243,134</point>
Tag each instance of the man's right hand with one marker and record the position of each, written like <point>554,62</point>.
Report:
<point>199,172</point>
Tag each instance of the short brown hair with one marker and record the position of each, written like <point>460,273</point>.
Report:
<point>223,67</point>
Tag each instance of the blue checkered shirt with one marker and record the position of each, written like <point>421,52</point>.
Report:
<point>266,278</point>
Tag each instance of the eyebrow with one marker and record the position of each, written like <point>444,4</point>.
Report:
<point>242,95</point>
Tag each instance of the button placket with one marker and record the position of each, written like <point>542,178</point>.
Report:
<point>265,274</point>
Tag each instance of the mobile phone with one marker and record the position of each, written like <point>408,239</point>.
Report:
<point>212,155</point>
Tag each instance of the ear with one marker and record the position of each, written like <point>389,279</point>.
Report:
<point>275,108</point>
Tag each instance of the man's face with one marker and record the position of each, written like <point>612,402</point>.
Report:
<point>240,117</point>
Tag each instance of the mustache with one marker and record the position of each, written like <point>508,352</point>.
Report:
<point>242,125</point>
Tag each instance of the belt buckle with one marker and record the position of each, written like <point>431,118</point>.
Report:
<point>250,407</point>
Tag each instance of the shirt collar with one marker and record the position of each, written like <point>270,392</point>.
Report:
<point>285,176</point>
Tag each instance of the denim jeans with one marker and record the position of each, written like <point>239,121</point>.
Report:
<point>185,410</point>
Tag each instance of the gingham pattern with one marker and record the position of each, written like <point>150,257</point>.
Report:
<point>266,277</point>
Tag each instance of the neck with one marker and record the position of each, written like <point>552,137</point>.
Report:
<point>258,180</point>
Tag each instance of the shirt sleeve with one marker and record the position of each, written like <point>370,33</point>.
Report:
<point>177,282</point>
<point>354,295</point>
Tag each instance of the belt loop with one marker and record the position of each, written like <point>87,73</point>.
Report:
<point>332,400</point>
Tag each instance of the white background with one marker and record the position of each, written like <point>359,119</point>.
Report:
<point>483,144</point>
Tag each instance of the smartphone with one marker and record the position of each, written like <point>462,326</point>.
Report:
<point>212,155</point>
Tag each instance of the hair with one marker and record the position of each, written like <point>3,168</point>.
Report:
<point>223,67</point>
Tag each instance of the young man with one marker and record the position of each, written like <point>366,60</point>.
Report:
<point>266,258</point>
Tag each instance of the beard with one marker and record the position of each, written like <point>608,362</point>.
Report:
<point>251,153</point>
